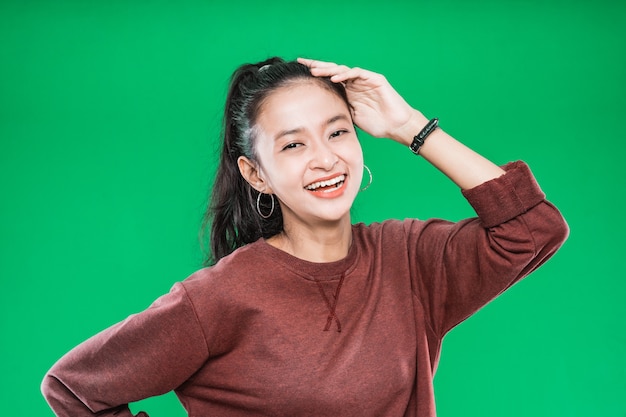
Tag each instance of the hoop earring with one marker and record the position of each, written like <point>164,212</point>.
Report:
<point>371,178</point>
<point>258,206</point>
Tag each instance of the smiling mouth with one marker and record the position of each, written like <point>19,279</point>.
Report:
<point>328,185</point>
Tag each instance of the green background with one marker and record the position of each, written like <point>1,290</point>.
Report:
<point>109,119</point>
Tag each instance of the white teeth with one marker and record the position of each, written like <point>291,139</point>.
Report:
<point>326,183</point>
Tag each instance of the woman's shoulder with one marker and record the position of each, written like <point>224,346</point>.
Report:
<point>232,269</point>
<point>389,231</point>
<point>389,226</point>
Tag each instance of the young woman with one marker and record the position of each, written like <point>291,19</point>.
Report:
<point>303,313</point>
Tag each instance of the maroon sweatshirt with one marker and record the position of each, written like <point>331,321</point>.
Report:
<point>263,333</point>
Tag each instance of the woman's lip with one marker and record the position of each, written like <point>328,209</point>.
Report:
<point>333,193</point>
<point>329,177</point>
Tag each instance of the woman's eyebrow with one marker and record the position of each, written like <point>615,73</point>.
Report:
<point>288,132</point>
<point>337,118</point>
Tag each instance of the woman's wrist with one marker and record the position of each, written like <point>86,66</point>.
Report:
<point>405,133</point>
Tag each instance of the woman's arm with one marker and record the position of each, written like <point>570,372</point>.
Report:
<point>463,166</point>
<point>380,111</point>
<point>458,267</point>
<point>147,354</point>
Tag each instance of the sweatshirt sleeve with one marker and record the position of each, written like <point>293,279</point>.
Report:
<point>147,354</point>
<point>462,266</point>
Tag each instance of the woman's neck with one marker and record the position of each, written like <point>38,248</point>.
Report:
<point>321,243</point>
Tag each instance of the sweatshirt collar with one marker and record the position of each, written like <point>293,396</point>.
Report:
<point>314,271</point>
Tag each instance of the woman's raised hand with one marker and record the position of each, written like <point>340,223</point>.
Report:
<point>376,106</point>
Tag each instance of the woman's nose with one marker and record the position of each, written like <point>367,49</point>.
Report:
<point>324,157</point>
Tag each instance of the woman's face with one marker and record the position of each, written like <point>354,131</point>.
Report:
<point>309,154</point>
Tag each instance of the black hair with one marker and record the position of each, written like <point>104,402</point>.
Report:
<point>231,212</point>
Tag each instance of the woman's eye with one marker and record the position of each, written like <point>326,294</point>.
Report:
<point>292,146</point>
<point>338,133</point>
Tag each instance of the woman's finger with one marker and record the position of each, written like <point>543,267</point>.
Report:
<point>338,73</point>
<point>313,63</point>
<point>329,71</point>
<point>354,74</point>
<point>348,74</point>
<point>323,68</point>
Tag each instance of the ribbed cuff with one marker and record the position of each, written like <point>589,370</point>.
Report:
<point>506,197</point>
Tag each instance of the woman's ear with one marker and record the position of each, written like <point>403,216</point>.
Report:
<point>249,170</point>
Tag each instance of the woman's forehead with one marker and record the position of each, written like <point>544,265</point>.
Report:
<point>305,101</point>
